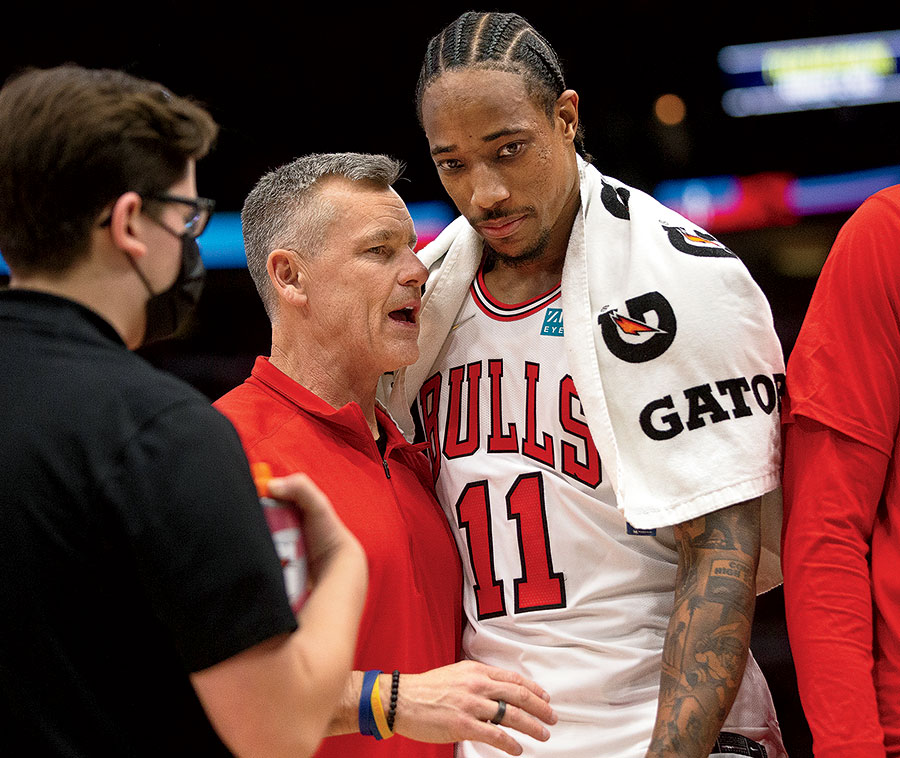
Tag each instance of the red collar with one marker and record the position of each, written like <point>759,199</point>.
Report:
<point>349,416</point>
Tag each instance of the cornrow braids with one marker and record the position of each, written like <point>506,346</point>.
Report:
<point>459,36</point>
<point>498,41</point>
<point>497,35</point>
<point>542,53</point>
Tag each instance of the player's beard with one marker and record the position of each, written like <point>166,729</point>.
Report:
<point>520,259</point>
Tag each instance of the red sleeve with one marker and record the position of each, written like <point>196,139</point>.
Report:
<point>841,418</point>
<point>832,486</point>
<point>844,369</point>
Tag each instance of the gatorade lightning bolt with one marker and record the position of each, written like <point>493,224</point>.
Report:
<point>284,524</point>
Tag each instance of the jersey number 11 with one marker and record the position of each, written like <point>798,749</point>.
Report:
<point>539,587</point>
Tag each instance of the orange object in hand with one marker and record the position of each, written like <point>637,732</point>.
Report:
<point>284,522</point>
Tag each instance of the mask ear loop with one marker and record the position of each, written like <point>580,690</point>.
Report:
<point>140,274</point>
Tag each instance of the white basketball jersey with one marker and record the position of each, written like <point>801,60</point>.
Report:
<point>557,585</point>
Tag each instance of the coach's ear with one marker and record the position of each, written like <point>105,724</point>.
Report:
<point>288,277</point>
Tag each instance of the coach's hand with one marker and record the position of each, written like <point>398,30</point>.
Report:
<point>457,702</point>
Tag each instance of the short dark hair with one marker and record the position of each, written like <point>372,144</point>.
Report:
<point>501,42</point>
<point>280,212</point>
<point>72,140</point>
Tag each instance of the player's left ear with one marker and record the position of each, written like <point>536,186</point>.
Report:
<point>567,113</point>
<point>286,274</point>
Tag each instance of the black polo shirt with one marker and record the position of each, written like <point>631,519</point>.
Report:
<point>132,546</point>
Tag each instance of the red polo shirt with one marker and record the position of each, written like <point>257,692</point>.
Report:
<point>412,618</point>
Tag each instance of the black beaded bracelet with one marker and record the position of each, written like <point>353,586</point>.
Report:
<point>395,688</point>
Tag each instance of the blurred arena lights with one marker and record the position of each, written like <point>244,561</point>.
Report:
<point>742,203</point>
<point>669,109</point>
<point>811,74</point>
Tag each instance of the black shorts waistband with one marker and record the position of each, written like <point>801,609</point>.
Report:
<point>738,744</point>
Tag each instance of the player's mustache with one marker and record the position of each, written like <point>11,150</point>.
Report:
<point>501,213</point>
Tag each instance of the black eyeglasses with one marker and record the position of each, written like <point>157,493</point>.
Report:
<point>203,209</point>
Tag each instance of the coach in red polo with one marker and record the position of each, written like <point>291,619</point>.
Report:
<point>330,247</point>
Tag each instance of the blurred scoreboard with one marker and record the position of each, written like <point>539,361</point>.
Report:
<point>810,74</point>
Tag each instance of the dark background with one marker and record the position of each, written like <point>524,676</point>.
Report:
<point>283,80</point>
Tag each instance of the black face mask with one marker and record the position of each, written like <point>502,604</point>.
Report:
<point>168,311</point>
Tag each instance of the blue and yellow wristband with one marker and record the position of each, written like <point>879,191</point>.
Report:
<point>372,720</point>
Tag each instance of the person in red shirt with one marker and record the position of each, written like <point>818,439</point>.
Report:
<point>330,247</point>
<point>841,548</point>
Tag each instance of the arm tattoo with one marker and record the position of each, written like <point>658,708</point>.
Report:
<point>706,644</point>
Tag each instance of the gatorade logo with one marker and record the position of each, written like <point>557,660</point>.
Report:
<point>697,243</point>
<point>645,333</point>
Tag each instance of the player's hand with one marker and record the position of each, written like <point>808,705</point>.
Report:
<point>457,702</point>
<point>324,535</point>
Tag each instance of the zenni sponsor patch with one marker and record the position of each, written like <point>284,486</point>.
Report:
<point>553,322</point>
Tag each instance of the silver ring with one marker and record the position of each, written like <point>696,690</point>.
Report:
<point>501,712</point>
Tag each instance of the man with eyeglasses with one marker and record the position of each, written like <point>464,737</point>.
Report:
<point>143,609</point>
<point>167,311</point>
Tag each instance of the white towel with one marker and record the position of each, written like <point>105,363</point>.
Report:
<point>672,349</point>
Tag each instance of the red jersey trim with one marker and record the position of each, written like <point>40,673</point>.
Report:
<point>498,311</point>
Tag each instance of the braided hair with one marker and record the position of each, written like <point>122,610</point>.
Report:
<point>500,42</point>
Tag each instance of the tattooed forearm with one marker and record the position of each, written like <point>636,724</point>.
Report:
<point>706,644</point>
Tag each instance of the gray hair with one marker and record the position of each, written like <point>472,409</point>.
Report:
<point>281,212</point>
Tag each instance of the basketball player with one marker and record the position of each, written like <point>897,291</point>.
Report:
<point>598,385</point>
